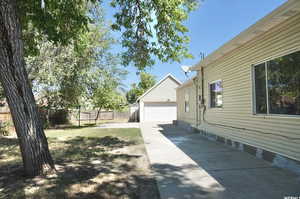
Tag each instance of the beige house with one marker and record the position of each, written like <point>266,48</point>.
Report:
<point>159,102</point>
<point>247,93</point>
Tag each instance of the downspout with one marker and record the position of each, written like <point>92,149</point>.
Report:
<point>195,81</point>
<point>200,102</point>
<point>202,86</point>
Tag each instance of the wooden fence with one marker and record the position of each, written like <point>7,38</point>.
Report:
<point>5,115</point>
<point>87,116</point>
<point>90,116</point>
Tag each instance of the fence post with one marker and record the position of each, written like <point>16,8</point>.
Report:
<point>79,116</point>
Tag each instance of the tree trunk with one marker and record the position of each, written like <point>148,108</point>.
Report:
<point>33,143</point>
<point>97,116</point>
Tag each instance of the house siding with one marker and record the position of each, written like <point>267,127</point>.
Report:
<point>266,132</point>
<point>188,117</point>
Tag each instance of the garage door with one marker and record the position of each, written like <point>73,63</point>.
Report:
<point>160,112</point>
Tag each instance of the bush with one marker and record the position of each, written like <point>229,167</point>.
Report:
<point>4,128</point>
<point>59,117</point>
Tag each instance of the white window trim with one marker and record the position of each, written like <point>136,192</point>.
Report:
<point>209,95</point>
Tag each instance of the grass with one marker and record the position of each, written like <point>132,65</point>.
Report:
<point>131,134</point>
<point>90,162</point>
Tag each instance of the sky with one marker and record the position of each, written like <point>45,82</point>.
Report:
<point>213,24</point>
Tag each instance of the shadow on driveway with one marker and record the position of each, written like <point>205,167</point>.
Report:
<point>241,174</point>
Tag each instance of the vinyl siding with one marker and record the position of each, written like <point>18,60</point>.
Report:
<point>189,117</point>
<point>164,92</point>
<point>235,70</point>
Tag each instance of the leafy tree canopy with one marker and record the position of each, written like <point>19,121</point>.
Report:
<point>153,27</point>
<point>149,28</point>
<point>146,81</point>
<point>64,78</point>
<point>60,21</point>
<point>106,91</point>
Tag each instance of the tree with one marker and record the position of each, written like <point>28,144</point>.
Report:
<point>53,21</point>
<point>56,75</point>
<point>133,94</point>
<point>146,81</point>
<point>109,99</point>
<point>104,88</point>
<point>151,27</point>
<point>62,77</point>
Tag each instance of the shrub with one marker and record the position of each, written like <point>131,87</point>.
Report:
<point>4,128</point>
<point>59,117</point>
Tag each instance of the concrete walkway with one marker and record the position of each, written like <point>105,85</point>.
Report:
<point>189,166</point>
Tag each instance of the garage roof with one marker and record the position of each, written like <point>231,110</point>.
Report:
<point>158,83</point>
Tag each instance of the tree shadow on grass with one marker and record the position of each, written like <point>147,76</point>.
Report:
<point>88,167</point>
<point>73,126</point>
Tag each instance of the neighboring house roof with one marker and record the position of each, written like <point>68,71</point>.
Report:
<point>282,13</point>
<point>188,82</point>
<point>158,83</point>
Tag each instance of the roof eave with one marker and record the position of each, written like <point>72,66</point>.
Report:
<point>282,13</point>
<point>158,83</point>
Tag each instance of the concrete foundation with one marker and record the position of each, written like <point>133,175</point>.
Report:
<point>276,159</point>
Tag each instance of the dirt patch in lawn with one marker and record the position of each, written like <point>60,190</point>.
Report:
<point>88,167</point>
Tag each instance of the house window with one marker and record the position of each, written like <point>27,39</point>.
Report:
<point>277,85</point>
<point>216,94</point>
<point>186,103</point>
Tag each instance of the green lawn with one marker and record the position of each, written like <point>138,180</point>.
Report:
<point>132,134</point>
<point>90,162</point>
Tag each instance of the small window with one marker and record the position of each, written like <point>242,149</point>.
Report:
<point>216,94</point>
<point>277,85</point>
<point>186,103</point>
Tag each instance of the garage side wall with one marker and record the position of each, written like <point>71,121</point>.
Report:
<point>268,132</point>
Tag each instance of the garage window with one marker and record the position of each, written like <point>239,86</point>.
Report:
<point>277,85</point>
<point>186,103</point>
<point>216,94</point>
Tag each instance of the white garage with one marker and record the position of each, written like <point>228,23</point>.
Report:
<point>160,112</point>
<point>159,102</point>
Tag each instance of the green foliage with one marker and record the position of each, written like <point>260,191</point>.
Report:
<point>66,44</point>
<point>59,117</point>
<point>153,27</point>
<point>149,28</point>
<point>133,94</point>
<point>4,128</point>
<point>105,90</point>
<point>60,21</point>
<point>63,78</point>
<point>146,81</point>
<point>56,75</point>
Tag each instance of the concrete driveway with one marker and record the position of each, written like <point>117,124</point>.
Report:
<point>187,165</point>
